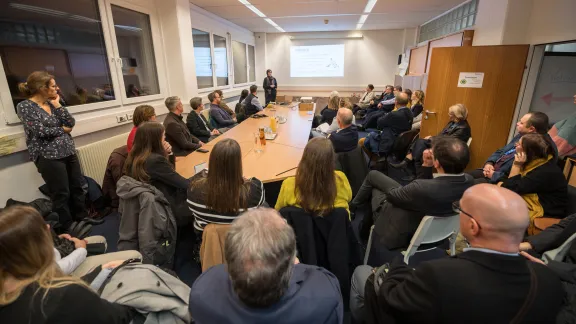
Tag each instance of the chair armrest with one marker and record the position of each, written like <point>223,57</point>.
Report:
<point>542,223</point>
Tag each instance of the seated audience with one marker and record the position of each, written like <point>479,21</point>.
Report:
<point>219,116</point>
<point>263,281</point>
<point>365,100</point>
<point>499,164</point>
<point>321,132</point>
<point>386,95</point>
<point>384,107</point>
<point>177,134</point>
<point>397,210</point>
<point>551,238</point>
<point>33,289</point>
<point>148,163</point>
<point>240,107</point>
<point>345,139</point>
<point>536,177</point>
<point>220,194</point>
<point>252,104</point>
<point>329,112</point>
<point>417,102</point>
<point>142,113</point>
<point>317,187</point>
<point>457,127</point>
<point>197,123</point>
<point>390,126</point>
<point>488,283</point>
<point>223,104</point>
<point>409,93</point>
<point>78,263</point>
<point>563,134</point>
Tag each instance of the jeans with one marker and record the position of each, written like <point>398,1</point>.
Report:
<point>270,96</point>
<point>478,175</point>
<point>64,180</point>
<point>359,278</point>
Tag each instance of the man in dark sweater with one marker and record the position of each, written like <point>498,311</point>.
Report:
<point>197,123</point>
<point>177,134</point>
<point>488,283</point>
<point>345,139</point>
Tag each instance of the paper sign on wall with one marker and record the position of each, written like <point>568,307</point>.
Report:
<point>470,80</point>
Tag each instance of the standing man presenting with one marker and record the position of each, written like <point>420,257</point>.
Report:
<point>270,86</point>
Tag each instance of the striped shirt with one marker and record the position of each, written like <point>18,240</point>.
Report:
<point>204,215</point>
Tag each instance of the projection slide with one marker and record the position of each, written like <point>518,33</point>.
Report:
<point>323,61</point>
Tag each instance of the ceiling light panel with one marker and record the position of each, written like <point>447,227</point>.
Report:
<point>370,6</point>
<point>261,14</point>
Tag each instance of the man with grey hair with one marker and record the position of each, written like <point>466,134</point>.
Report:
<point>177,134</point>
<point>345,139</point>
<point>263,281</point>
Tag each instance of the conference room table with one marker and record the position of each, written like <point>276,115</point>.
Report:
<point>278,156</point>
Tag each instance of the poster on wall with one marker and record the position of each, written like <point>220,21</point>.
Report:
<point>470,80</point>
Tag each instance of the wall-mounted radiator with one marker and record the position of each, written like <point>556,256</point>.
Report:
<point>94,157</point>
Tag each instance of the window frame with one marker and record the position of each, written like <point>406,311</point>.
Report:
<point>115,70</point>
<point>229,62</point>
<point>248,82</point>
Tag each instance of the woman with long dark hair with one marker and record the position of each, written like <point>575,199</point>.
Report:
<point>32,286</point>
<point>47,125</point>
<point>148,162</point>
<point>536,177</point>
<point>221,193</point>
<point>317,187</point>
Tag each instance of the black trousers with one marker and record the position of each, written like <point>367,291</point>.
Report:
<point>270,96</point>
<point>64,180</point>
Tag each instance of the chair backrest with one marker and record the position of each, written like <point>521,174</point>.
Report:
<point>432,230</point>
<point>559,253</point>
<point>212,248</point>
<point>403,142</point>
<point>206,113</point>
<point>354,167</point>
<point>469,141</point>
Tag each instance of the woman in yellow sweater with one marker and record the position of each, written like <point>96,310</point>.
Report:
<point>317,187</point>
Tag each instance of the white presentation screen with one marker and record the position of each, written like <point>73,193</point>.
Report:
<point>323,61</point>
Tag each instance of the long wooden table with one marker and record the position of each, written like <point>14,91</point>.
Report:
<point>280,154</point>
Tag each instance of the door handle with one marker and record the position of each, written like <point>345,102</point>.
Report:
<point>429,112</point>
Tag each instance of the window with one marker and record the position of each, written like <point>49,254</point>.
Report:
<point>451,22</point>
<point>136,51</point>
<point>62,37</point>
<point>101,56</point>
<point>252,63</point>
<point>202,58</point>
<point>221,59</point>
<point>240,62</point>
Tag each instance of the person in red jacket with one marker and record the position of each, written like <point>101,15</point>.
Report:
<point>142,113</point>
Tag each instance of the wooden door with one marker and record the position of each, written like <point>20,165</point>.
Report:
<point>490,108</point>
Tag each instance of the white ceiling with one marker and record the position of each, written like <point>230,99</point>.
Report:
<point>309,15</point>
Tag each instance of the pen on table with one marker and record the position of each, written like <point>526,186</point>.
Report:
<point>286,171</point>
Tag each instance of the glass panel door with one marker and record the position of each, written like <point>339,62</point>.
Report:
<point>221,60</point>
<point>202,58</point>
<point>240,63</point>
<point>136,51</point>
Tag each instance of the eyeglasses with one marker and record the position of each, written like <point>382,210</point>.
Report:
<point>456,208</point>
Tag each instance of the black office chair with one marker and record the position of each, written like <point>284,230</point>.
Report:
<point>399,150</point>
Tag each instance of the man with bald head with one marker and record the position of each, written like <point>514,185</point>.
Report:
<point>345,139</point>
<point>488,283</point>
<point>263,281</point>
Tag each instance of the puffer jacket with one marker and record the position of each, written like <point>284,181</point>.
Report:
<point>147,223</point>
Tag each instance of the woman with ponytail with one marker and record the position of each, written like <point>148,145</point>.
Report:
<point>32,287</point>
<point>47,125</point>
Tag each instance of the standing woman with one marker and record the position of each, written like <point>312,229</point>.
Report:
<point>270,86</point>
<point>47,125</point>
<point>317,187</point>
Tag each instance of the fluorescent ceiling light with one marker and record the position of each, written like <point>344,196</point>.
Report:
<point>370,6</point>
<point>38,10</point>
<point>363,19</point>
<point>261,14</point>
<point>359,26</point>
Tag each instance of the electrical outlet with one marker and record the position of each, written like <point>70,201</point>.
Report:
<point>121,118</point>
<point>129,116</point>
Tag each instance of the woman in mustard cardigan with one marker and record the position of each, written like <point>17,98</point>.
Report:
<point>317,187</point>
<point>537,178</point>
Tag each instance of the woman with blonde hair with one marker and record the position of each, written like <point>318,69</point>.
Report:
<point>417,101</point>
<point>32,286</point>
<point>329,112</point>
<point>457,127</point>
